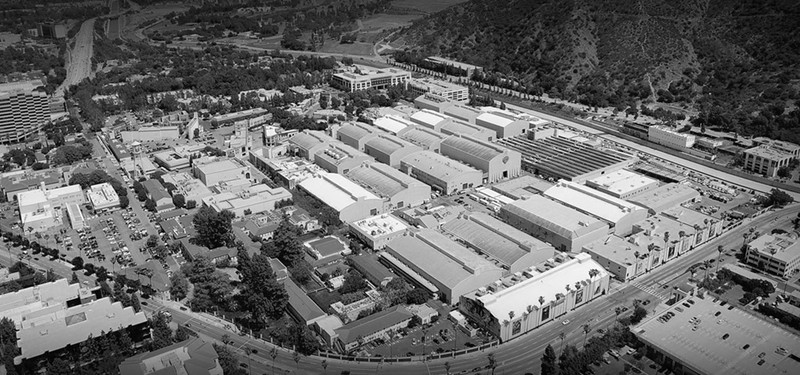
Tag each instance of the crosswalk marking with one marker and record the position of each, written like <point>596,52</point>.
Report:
<point>662,294</point>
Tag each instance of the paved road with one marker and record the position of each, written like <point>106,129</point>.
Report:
<point>520,355</point>
<point>686,163</point>
<point>79,58</point>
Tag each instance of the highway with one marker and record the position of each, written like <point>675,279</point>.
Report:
<point>79,58</point>
<point>520,355</point>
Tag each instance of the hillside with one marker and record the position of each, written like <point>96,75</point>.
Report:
<point>735,61</point>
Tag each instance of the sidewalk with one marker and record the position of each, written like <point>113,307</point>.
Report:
<point>210,319</point>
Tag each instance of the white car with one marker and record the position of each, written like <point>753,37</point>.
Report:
<point>565,322</point>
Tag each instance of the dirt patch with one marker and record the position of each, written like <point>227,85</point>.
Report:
<point>426,6</point>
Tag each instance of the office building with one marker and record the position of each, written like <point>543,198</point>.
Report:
<point>363,78</point>
<point>191,357</point>
<point>453,269</point>
<point>665,197</point>
<point>52,316</point>
<point>777,254</point>
<point>619,214</point>
<point>441,173</point>
<point>398,190</point>
<point>622,184</point>
<point>669,137</point>
<point>252,200</point>
<point>389,149</point>
<point>23,110</point>
<point>377,231</point>
<point>102,197</point>
<point>41,209</point>
<point>507,246</point>
<point>337,157</point>
<point>351,201</point>
<point>707,337</point>
<point>497,162</point>
<point>567,159</point>
<point>766,160</point>
<point>563,227</point>
<point>447,90</point>
<point>519,303</point>
<point>216,171</point>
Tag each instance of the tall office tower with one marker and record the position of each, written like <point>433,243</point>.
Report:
<point>23,111</point>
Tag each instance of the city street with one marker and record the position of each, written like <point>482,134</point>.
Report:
<point>523,354</point>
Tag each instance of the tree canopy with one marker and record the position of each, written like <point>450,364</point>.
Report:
<point>213,228</point>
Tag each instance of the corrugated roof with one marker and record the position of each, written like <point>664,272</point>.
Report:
<point>335,190</point>
<point>382,179</point>
<point>357,130</point>
<point>428,118</point>
<point>473,147</point>
<point>423,137</point>
<point>437,165</point>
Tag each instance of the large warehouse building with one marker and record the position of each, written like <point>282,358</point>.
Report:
<point>450,126</point>
<point>351,201</point>
<point>356,134</point>
<point>509,247</point>
<point>339,158</point>
<point>619,214</point>
<point>497,162</point>
<point>452,268</point>
<point>524,301</point>
<point>426,139</point>
<point>307,143</point>
<point>503,125</point>
<point>441,173</point>
<point>567,159</point>
<point>565,228</point>
<point>389,149</point>
<point>665,197</point>
<point>623,183</point>
<point>398,190</point>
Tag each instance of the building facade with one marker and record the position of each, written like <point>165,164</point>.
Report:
<point>765,160</point>
<point>23,111</point>
<point>668,137</point>
<point>776,254</point>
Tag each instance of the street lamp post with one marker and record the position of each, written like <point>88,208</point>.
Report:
<point>424,338</point>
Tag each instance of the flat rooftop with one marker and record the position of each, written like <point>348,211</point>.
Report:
<point>382,180</point>
<point>688,216</point>
<point>517,291</point>
<point>778,246</point>
<point>595,202</point>
<point>666,194</point>
<point>392,124</point>
<point>429,118</point>
<point>617,249</point>
<point>221,166</point>
<point>380,225</point>
<point>768,153</point>
<point>522,186</point>
<point>554,216</point>
<point>721,340</point>
<point>622,181</point>
<point>335,190</point>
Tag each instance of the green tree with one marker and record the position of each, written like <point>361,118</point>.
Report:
<point>182,333</point>
<point>137,306</point>
<point>74,279</point>
<point>784,172</point>
<point>549,366</point>
<point>179,200</point>
<point>150,205</point>
<point>263,296</point>
<point>77,262</point>
<point>191,203</point>
<point>285,244</point>
<point>353,282</point>
<point>180,286</point>
<point>59,366</point>
<point>213,229</point>
<point>416,296</point>
<point>162,334</point>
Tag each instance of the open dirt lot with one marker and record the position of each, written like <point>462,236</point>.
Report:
<point>426,5</point>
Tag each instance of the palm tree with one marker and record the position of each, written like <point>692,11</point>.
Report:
<point>562,336</point>
<point>296,357</point>
<point>274,354</point>
<point>541,300</point>
<point>447,367</point>
<point>720,250</point>
<point>324,366</point>
<point>586,331</point>
<point>593,272</point>
<point>492,362</point>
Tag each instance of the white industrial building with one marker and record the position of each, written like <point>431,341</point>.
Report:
<point>350,200</point>
<point>441,173</point>
<point>453,269</point>
<point>393,124</point>
<point>41,209</point>
<point>619,214</point>
<point>665,197</point>
<point>519,303</point>
<point>669,137</point>
<point>565,228</point>
<point>622,183</point>
<point>450,126</point>
<point>389,149</point>
<point>251,200</point>
<point>217,171</point>
<point>504,125</point>
<point>497,162</point>
<point>102,197</point>
<point>356,134</point>
<point>377,231</point>
<point>397,189</point>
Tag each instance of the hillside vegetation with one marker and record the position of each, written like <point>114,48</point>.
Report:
<point>737,62</point>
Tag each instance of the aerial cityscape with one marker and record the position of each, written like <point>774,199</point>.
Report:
<point>480,187</point>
